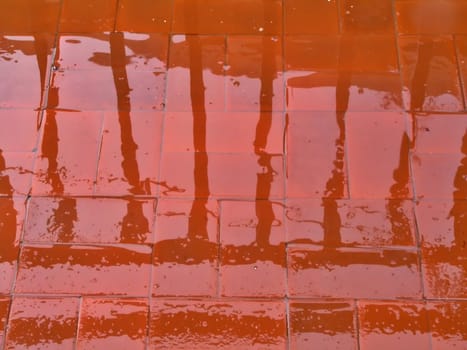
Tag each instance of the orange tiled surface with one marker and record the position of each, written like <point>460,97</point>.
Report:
<point>233,174</point>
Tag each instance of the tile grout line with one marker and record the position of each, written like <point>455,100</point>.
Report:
<point>287,323</point>
<point>357,323</point>
<point>275,299</point>
<point>285,124</point>
<point>99,152</point>
<point>147,339</point>
<point>428,324</point>
<point>219,249</point>
<point>419,253</point>
<point>78,322</point>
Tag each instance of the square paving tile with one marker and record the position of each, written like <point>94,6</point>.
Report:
<point>311,17</point>
<point>116,50</point>
<point>129,154</point>
<point>16,173</point>
<point>378,148</point>
<point>186,248</point>
<point>42,323</point>
<point>84,269</point>
<point>367,17</point>
<point>67,161</point>
<point>316,159</point>
<point>440,175</point>
<point>349,54</point>
<point>196,73</point>
<point>4,310</point>
<point>439,133</point>
<point>235,174</point>
<point>224,132</point>
<point>69,219</point>
<point>115,323</point>
<point>200,174</point>
<point>429,74</point>
<point>431,17</point>
<point>253,257</point>
<point>217,325</point>
<point>12,211</point>
<point>19,130</point>
<point>448,329</point>
<point>391,325</point>
<point>254,64</point>
<point>24,68</point>
<point>342,91</point>
<point>145,16</point>
<point>88,16</point>
<point>229,17</point>
<point>322,325</point>
<point>461,44</point>
<point>320,271</point>
<point>107,90</point>
<point>443,230</point>
<point>29,16</point>
<point>355,222</point>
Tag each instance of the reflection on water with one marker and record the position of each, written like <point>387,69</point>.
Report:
<point>24,63</point>
<point>331,325</point>
<point>9,245</point>
<point>430,76</point>
<point>116,104</point>
<point>400,222</point>
<point>116,323</point>
<point>445,236</point>
<point>43,323</point>
<point>460,191</point>
<point>394,325</point>
<point>214,325</point>
<point>193,254</point>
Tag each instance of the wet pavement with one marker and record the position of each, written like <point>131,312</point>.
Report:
<point>235,174</point>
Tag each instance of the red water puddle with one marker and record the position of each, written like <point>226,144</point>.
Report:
<point>233,174</point>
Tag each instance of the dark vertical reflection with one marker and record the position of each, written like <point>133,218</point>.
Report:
<point>335,186</point>
<point>8,217</point>
<point>196,247</point>
<point>65,215</point>
<point>400,223</point>
<point>128,145</point>
<point>63,218</point>
<point>419,81</point>
<point>198,220</point>
<point>262,249</point>
<point>5,186</point>
<point>41,46</point>
<point>458,211</point>
<point>263,206</point>
<point>420,77</point>
<point>135,225</point>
